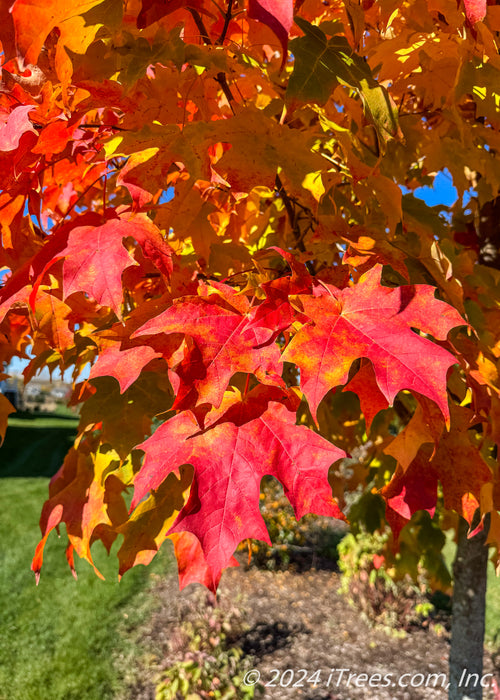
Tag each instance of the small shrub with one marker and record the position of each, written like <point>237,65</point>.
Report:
<point>210,666</point>
<point>371,582</point>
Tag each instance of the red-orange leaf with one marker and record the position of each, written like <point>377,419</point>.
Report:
<point>460,467</point>
<point>124,365</point>
<point>457,464</point>
<point>153,10</point>
<point>6,408</point>
<point>230,459</point>
<point>276,313</point>
<point>376,322</point>
<point>95,260</point>
<point>277,14</point>
<point>410,491</point>
<point>15,125</point>
<point>86,496</point>
<point>35,19</point>
<point>371,399</point>
<point>426,425</point>
<point>226,342</point>
<point>123,358</point>
<point>153,246</point>
<point>475,10</point>
<point>95,257</point>
<point>191,562</point>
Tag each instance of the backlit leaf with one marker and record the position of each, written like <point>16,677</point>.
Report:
<point>321,64</point>
<point>374,322</point>
<point>229,460</point>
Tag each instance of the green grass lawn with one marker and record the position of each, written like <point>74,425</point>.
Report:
<point>65,639</point>
<point>36,446</point>
<point>493,608</point>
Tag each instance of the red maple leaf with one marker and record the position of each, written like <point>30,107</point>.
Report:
<point>475,10</point>
<point>153,10</point>
<point>23,285</point>
<point>414,487</point>
<point>123,358</point>
<point>124,365</point>
<point>95,257</point>
<point>375,322</point>
<point>410,491</point>
<point>95,260</point>
<point>230,458</point>
<point>14,127</point>
<point>226,342</point>
<point>371,399</point>
<point>191,562</point>
<point>277,14</point>
<point>276,312</point>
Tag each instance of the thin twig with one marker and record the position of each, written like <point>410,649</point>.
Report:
<point>221,76</point>
<point>104,183</point>
<point>400,107</point>
<point>242,272</point>
<point>201,26</point>
<point>293,219</point>
<point>99,126</point>
<point>289,209</point>
<point>222,80</point>
<point>85,192</point>
<point>227,19</point>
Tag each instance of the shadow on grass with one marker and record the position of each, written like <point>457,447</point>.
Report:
<point>34,418</point>
<point>35,446</point>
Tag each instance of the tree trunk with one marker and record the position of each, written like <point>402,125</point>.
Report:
<point>468,614</point>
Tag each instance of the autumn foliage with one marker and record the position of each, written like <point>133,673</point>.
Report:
<point>210,204</point>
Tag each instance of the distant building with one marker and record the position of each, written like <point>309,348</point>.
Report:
<point>12,389</point>
<point>39,396</point>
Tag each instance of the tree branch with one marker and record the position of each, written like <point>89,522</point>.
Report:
<point>227,18</point>
<point>221,76</point>
<point>201,26</point>
<point>293,219</point>
<point>290,212</point>
<point>222,80</point>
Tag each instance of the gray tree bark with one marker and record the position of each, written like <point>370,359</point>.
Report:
<point>468,616</point>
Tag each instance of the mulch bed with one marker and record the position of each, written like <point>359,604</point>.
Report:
<point>300,621</point>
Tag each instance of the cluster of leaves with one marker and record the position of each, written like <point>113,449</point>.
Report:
<point>204,202</point>
<point>207,664</point>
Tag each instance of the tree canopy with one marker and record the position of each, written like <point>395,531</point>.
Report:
<point>212,205</point>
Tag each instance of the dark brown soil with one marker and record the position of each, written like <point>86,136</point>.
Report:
<point>301,621</point>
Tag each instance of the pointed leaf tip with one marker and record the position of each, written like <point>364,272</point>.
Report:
<point>229,460</point>
<point>277,15</point>
<point>375,322</point>
<point>475,10</point>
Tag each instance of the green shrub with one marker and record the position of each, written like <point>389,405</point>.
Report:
<point>210,665</point>
<point>372,582</point>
